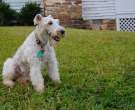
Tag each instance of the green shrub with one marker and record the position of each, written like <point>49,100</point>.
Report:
<point>8,16</point>
<point>28,12</point>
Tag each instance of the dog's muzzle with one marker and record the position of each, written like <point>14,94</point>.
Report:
<point>59,35</point>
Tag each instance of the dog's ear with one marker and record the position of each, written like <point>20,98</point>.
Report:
<point>37,19</point>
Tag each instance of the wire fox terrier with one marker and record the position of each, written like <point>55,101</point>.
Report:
<point>36,51</point>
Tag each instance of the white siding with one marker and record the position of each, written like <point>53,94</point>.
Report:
<point>98,9</point>
<point>125,8</point>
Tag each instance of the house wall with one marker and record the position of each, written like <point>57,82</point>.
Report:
<point>100,12</point>
<point>70,14</point>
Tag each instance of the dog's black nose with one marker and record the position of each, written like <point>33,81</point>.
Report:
<point>62,32</point>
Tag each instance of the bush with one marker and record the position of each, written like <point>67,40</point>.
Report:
<point>8,16</point>
<point>28,12</point>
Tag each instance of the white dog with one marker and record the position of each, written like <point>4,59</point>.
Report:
<point>36,52</point>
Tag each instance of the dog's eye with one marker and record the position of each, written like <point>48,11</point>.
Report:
<point>50,22</point>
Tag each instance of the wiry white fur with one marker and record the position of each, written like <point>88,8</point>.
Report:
<point>29,64</point>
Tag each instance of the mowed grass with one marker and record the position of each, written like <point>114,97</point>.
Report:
<point>97,71</point>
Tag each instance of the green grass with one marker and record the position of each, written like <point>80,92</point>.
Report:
<point>97,71</point>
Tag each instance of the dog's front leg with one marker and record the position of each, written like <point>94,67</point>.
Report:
<point>53,68</point>
<point>36,77</point>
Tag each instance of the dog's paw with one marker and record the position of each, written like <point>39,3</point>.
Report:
<point>39,88</point>
<point>8,83</point>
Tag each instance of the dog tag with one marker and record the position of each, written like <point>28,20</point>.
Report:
<point>40,53</point>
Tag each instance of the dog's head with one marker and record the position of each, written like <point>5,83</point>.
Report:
<point>50,26</point>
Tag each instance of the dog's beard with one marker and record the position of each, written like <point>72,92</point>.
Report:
<point>53,42</point>
<point>54,39</point>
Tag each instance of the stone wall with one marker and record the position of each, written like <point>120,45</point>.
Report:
<point>65,10</point>
<point>103,24</point>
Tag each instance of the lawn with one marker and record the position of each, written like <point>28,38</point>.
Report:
<point>97,72</point>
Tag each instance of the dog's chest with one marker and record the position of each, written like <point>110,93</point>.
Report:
<point>42,55</point>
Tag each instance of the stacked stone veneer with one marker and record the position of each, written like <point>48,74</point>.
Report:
<point>70,14</point>
<point>65,10</point>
